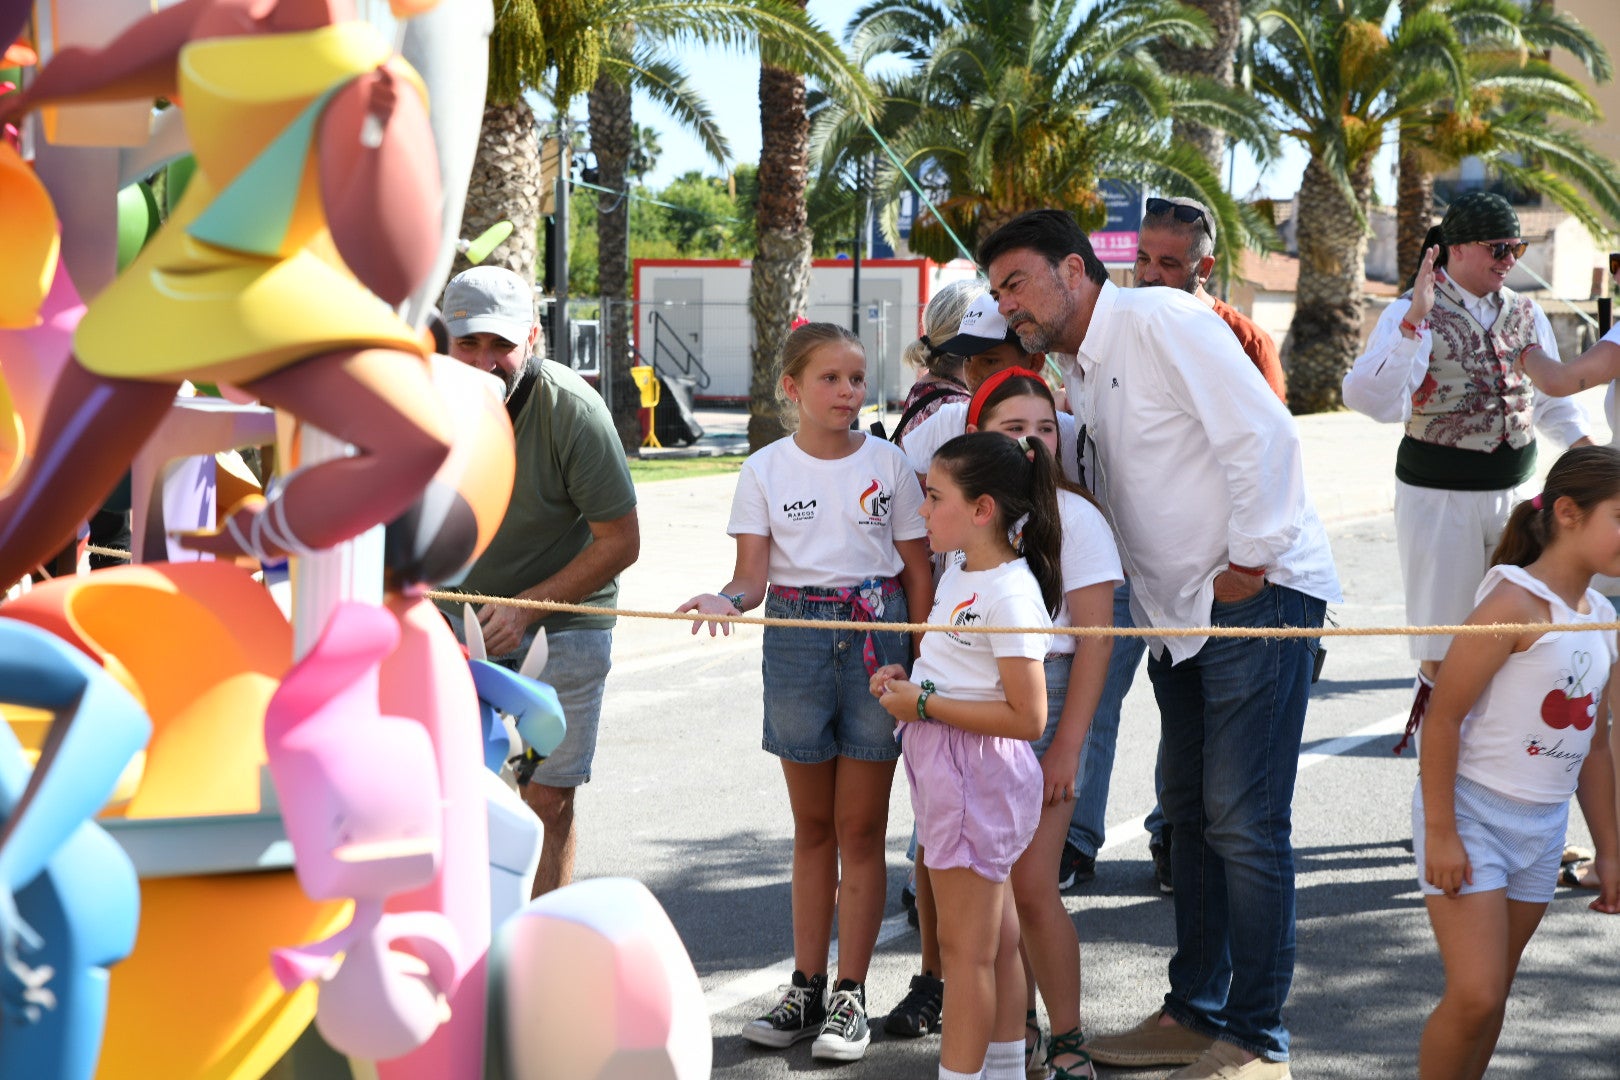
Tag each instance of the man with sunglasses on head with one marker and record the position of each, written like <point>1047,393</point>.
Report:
<point>1440,361</point>
<point>1176,247</point>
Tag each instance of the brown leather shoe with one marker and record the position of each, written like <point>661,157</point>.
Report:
<point>1149,1043</point>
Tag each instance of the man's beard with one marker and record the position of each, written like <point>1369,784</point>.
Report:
<point>512,378</point>
<point>1039,337</point>
<point>1190,286</point>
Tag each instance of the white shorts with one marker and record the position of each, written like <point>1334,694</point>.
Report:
<point>1445,540</point>
<point>1511,844</point>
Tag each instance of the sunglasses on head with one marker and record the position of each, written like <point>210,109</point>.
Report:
<point>1502,250</point>
<point>1180,212</point>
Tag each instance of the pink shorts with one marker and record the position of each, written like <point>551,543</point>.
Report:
<point>976,798</point>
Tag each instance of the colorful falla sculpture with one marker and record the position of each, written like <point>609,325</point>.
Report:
<point>312,218</point>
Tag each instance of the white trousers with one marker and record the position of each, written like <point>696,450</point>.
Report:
<point>1445,540</point>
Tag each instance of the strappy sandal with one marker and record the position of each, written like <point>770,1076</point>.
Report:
<point>1070,1042</point>
<point>1035,1055</point>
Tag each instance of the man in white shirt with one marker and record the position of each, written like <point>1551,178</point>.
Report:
<point>1198,467</point>
<point>1440,361</point>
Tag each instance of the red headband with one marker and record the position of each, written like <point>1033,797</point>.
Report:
<point>988,387</point>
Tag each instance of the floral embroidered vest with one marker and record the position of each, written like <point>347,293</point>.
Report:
<point>1472,399</point>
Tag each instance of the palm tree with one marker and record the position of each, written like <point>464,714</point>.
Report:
<point>1338,84</point>
<point>640,57</point>
<point>1508,120</point>
<point>1009,107</point>
<point>609,48</point>
<point>1213,61</point>
<point>779,280</point>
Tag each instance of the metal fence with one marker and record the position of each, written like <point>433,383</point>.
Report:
<point>710,344</point>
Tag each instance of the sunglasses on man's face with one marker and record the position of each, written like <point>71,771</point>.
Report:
<point>1188,214</point>
<point>1502,250</point>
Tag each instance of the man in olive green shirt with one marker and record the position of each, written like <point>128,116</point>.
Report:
<point>568,532</point>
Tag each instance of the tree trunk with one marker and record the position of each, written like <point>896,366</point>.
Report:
<point>612,140</point>
<point>505,186</point>
<point>1326,331</point>
<point>779,283</point>
<point>1414,201</point>
<point>1214,62</point>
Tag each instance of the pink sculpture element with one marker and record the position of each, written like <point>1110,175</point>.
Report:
<point>33,359</point>
<point>426,677</point>
<point>597,986</point>
<point>361,799</point>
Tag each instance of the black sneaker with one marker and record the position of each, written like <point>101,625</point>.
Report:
<point>799,1015</point>
<point>1160,850</point>
<point>1075,867</point>
<point>844,1033</point>
<point>919,1011</point>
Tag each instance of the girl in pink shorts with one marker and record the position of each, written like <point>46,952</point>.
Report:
<point>969,711</point>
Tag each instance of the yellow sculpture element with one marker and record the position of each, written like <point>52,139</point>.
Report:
<point>189,308</point>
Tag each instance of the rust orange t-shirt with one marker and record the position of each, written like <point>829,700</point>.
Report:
<point>1257,343</point>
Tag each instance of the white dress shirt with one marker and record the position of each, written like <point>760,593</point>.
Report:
<point>1195,461</point>
<point>1384,378</point>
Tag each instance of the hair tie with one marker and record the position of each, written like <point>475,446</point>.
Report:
<point>1535,503</point>
<point>1027,444</point>
<point>988,387</point>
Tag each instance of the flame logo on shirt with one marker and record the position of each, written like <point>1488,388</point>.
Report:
<point>874,501</point>
<point>961,615</point>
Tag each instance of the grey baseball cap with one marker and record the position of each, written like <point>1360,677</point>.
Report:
<point>489,299</point>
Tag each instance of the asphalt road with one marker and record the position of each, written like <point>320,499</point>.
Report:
<point>685,800</point>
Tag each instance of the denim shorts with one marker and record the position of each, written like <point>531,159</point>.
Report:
<point>818,698</point>
<point>577,664</point>
<point>1057,669</point>
<point>1511,844</point>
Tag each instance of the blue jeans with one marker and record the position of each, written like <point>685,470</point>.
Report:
<point>1097,759</point>
<point>1231,719</point>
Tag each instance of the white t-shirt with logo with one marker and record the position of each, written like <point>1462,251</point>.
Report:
<point>951,420</point>
<point>833,523</point>
<point>964,665</point>
<point>1090,556</point>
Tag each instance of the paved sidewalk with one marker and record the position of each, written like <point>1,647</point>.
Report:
<point>1349,469</point>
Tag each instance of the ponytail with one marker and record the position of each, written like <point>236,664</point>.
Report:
<point>1042,545</point>
<point>1021,478</point>
<point>1587,475</point>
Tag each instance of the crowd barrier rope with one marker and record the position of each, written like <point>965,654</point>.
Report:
<point>1458,630</point>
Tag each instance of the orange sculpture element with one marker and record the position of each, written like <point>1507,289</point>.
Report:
<point>202,647</point>
<point>28,224</point>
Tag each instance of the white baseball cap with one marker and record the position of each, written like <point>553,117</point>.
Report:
<point>982,328</point>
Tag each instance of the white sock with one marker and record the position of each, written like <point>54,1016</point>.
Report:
<point>1004,1061</point>
<point>952,1074</point>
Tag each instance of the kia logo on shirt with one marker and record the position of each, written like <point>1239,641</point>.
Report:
<point>802,510</point>
<point>874,503</point>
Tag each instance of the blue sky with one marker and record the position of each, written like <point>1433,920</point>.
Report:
<point>730,82</point>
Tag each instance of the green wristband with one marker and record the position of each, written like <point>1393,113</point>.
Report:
<point>735,598</point>
<point>922,699</point>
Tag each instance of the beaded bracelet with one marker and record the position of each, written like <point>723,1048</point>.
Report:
<point>922,699</point>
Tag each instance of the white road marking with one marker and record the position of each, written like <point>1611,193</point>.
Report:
<point>763,981</point>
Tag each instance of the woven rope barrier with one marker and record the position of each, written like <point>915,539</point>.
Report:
<point>1067,631</point>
